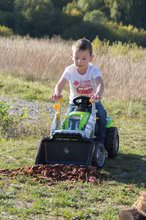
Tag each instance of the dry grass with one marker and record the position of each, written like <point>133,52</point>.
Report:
<point>45,60</point>
<point>124,77</point>
<point>34,59</point>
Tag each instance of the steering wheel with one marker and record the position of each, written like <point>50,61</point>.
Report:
<point>82,100</point>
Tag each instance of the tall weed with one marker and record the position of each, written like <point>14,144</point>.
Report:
<point>123,66</point>
<point>8,122</point>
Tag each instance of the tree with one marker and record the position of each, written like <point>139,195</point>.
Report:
<point>87,6</point>
<point>6,5</point>
<point>36,17</point>
<point>138,13</point>
<point>95,17</point>
<point>6,13</point>
<point>60,3</point>
<point>114,12</point>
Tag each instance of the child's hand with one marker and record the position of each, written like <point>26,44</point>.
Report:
<point>96,97</point>
<point>55,98</point>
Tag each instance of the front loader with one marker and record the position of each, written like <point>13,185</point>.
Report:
<point>73,140</point>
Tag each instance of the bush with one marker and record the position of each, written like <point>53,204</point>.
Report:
<point>131,49</point>
<point>8,122</point>
<point>127,34</point>
<point>5,31</point>
<point>100,47</point>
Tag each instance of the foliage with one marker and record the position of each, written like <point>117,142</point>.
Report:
<point>88,6</point>
<point>7,19</point>
<point>100,47</point>
<point>119,48</point>
<point>34,19</point>
<point>118,32</point>
<point>71,19</point>
<point>6,5</point>
<point>7,121</point>
<point>6,13</point>
<point>71,9</point>
<point>95,17</point>
<point>61,3</point>
<point>119,10</point>
<point>96,43</point>
<point>5,31</point>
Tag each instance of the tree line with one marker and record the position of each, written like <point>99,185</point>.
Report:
<point>113,20</point>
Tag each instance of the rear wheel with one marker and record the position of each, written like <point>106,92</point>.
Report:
<point>99,155</point>
<point>112,142</point>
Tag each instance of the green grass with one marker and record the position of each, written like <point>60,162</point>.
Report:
<point>23,197</point>
<point>16,87</point>
<point>13,87</point>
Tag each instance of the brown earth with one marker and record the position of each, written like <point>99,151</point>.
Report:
<point>57,172</point>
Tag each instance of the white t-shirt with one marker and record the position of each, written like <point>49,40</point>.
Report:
<point>81,84</point>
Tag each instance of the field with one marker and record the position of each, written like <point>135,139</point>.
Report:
<point>29,69</point>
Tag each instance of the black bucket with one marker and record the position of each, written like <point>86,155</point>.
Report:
<point>65,149</point>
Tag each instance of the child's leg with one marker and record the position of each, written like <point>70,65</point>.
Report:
<point>101,114</point>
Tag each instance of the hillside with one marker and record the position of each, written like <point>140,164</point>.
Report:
<point>117,20</point>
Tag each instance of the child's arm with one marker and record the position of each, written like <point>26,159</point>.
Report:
<point>100,88</point>
<point>58,89</point>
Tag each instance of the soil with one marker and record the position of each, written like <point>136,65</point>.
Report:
<point>57,172</point>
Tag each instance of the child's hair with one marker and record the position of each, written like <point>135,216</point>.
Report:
<point>83,44</point>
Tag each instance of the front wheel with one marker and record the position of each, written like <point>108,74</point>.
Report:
<point>99,155</point>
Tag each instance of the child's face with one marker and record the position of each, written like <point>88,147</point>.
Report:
<point>81,59</point>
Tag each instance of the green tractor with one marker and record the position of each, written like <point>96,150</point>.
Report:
<point>73,141</point>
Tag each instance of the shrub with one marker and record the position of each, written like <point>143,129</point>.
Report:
<point>5,31</point>
<point>100,47</point>
<point>131,49</point>
<point>5,120</point>
<point>8,122</point>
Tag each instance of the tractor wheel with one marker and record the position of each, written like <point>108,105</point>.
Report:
<point>112,142</point>
<point>99,155</point>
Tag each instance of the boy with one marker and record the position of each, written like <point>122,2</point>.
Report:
<point>84,79</point>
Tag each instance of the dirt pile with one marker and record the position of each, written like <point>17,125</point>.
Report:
<point>58,172</point>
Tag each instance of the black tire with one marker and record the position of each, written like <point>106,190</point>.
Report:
<point>99,156</point>
<point>112,142</point>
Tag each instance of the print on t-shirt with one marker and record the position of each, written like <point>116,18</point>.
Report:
<point>83,87</point>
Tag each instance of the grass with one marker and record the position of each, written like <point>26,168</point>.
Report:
<point>13,87</point>
<point>122,66</point>
<point>23,197</point>
<point>29,69</point>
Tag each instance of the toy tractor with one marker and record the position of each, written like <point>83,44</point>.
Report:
<point>73,141</point>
